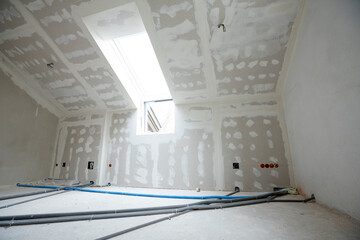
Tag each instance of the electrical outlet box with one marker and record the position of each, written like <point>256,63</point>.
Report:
<point>91,165</point>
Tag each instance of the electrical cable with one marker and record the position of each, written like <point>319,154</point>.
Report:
<point>232,193</point>
<point>142,195</point>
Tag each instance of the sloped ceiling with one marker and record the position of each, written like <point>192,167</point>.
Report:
<point>200,61</point>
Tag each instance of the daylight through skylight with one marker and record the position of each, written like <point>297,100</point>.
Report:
<point>144,66</point>
<point>122,37</point>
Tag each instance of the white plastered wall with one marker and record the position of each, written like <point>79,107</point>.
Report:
<point>27,133</point>
<point>322,97</point>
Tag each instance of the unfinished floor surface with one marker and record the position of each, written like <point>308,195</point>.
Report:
<point>263,221</point>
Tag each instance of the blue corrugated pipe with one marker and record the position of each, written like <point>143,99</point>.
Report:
<point>140,194</point>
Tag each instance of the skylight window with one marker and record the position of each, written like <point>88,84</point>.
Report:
<point>121,35</point>
<point>142,62</point>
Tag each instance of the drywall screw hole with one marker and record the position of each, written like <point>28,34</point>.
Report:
<point>110,165</point>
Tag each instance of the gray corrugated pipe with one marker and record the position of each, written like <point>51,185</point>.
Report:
<point>30,193</point>
<point>122,215</point>
<point>30,200</point>
<point>143,225</point>
<point>52,215</point>
<point>40,192</point>
<point>198,206</point>
<point>33,199</point>
<point>201,207</point>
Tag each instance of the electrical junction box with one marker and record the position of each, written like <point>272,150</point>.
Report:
<point>91,165</point>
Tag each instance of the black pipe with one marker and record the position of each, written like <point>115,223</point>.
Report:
<point>51,215</point>
<point>232,193</point>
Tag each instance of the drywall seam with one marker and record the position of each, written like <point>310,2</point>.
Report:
<point>270,113</point>
<point>83,123</point>
<point>103,149</point>
<point>219,101</point>
<point>56,149</point>
<point>32,90</point>
<point>251,110</point>
<point>60,149</point>
<point>31,19</point>
<point>230,99</point>
<point>282,83</point>
<point>204,33</point>
<point>87,112</point>
<point>220,184</point>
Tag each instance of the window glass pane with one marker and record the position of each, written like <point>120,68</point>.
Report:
<point>159,116</point>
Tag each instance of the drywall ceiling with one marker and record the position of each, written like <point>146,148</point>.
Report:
<point>200,61</point>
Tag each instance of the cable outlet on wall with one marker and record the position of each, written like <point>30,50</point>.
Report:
<point>91,165</point>
<point>235,165</point>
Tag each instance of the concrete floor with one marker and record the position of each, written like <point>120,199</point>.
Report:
<point>263,221</point>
